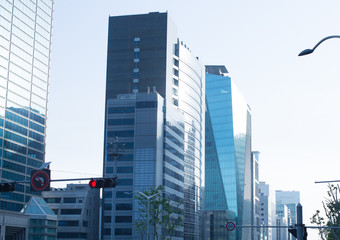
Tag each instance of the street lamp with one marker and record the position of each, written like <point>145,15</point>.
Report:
<point>309,51</point>
<point>147,216</point>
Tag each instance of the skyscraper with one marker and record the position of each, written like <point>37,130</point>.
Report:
<point>25,46</point>
<point>267,211</point>
<point>228,149</point>
<point>291,199</point>
<point>145,53</point>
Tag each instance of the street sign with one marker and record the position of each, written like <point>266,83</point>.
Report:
<point>40,180</point>
<point>230,226</point>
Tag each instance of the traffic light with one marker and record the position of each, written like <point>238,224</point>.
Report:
<point>7,187</point>
<point>294,233</point>
<point>103,182</point>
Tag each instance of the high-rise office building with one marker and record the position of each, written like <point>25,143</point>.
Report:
<point>267,211</point>
<point>25,47</point>
<point>255,195</point>
<point>151,136</point>
<point>228,150</point>
<point>291,199</point>
<point>282,220</point>
<point>144,52</point>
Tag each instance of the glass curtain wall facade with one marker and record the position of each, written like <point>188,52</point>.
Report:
<point>25,48</point>
<point>151,143</point>
<point>145,53</point>
<point>228,148</point>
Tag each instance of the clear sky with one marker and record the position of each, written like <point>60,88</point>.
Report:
<point>295,101</point>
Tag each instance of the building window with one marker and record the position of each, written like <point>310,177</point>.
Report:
<point>70,211</point>
<point>123,219</point>
<point>68,223</point>
<point>124,182</point>
<point>124,206</point>
<point>107,231</point>
<point>123,194</point>
<point>123,231</point>
<point>107,219</point>
<point>52,200</point>
<point>69,200</point>
<point>125,169</point>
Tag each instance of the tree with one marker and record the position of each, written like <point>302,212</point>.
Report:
<point>331,207</point>
<point>165,215</point>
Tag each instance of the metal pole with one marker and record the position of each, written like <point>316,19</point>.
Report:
<point>147,223</point>
<point>299,222</point>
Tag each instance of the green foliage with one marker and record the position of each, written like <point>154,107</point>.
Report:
<point>165,215</point>
<point>331,207</point>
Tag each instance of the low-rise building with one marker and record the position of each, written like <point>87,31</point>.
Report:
<point>77,209</point>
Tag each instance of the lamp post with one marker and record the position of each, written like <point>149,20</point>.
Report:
<point>309,51</point>
<point>147,214</point>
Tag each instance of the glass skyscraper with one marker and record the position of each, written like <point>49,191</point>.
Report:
<point>228,149</point>
<point>144,53</point>
<point>25,47</point>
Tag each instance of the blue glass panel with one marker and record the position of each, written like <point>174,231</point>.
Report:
<point>36,145</point>
<point>123,194</point>
<point>21,111</point>
<point>126,133</point>
<point>15,147</point>
<point>16,118</point>
<point>16,138</point>
<point>14,157</point>
<point>37,127</point>
<point>125,169</point>
<point>37,118</point>
<point>13,176</point>
<point>16,128</point>
<point>123,231</point>
<point>121,110</point>
<point>12,196</point>
<point>146,104</point>
<point>128,121</point>
<point>124,182</point>
<point>123,219</point>
<point>34,163</point>
<point>13,166</point>
<point>124,206</point>
<point>35,154</point>
<point>36,136</point>
<point>10,205</point>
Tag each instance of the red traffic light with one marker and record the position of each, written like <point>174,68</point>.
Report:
<point>103,183</point>
<point>92,183</point>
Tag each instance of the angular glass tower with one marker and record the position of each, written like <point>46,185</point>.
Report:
<point>145,53</point>
<point>25,47</point>
<point>228,148</point>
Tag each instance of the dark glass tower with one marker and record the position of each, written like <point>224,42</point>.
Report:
<point>145,54</point>
<point>228,151</point>
<point>25,46</point>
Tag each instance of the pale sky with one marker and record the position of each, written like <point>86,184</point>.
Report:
<point>294,100</point>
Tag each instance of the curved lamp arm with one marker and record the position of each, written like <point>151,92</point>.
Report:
<point>309,51</point>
